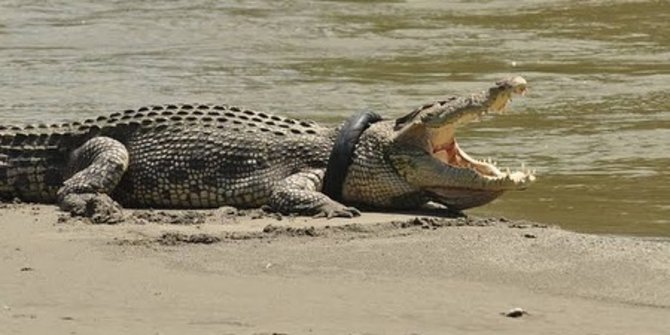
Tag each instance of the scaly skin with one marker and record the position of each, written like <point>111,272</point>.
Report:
<point>205,156</point>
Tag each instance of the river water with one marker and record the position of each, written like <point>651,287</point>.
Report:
<point>596,123</point>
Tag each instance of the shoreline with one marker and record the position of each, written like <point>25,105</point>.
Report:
<point>219,271</point>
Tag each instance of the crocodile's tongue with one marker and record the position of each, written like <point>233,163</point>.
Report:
<point>448,152</point>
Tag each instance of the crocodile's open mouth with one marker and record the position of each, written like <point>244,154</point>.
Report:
<point>455,179</point>
<point>446,149</point>
<point>451,154</point>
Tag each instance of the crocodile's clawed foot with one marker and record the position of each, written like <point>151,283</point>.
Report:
<point>333,210</point>
<point>99,207</point>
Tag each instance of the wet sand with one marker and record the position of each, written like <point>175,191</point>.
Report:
<point>176,272</point>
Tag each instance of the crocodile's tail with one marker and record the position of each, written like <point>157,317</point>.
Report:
<point>32,164</point>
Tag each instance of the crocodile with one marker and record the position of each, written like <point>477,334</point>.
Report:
<point>208,156</point>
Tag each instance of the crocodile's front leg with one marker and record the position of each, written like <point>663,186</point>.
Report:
<point>299,193</point>
<point>96,168</point>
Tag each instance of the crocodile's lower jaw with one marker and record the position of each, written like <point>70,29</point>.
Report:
<point>484,185</point>
<point>493,179</point>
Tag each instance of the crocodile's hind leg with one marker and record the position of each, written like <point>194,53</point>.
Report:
<point>95,168</point>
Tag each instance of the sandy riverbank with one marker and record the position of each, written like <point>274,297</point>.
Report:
<point>218,272</point>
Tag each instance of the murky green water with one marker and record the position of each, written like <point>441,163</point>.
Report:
<point>596,124</point>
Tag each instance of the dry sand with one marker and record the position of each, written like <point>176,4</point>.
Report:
<point>216,272</point>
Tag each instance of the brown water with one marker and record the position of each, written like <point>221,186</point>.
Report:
<point>596,124</point>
